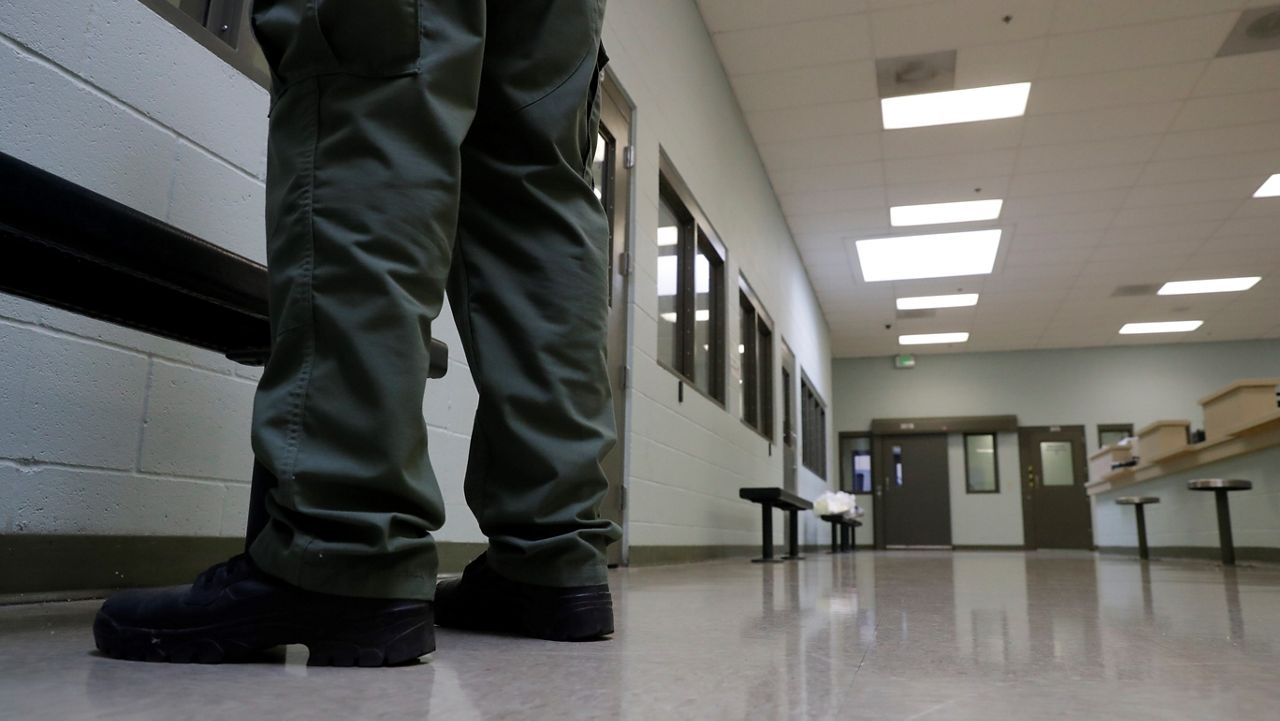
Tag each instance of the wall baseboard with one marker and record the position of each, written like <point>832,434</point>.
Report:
<point>60,567</point>
<point>669,555</point>
<point>989,547</point>
<point>1246,554</point>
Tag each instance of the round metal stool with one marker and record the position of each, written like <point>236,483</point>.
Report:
<point>1138,502</point>
<point>1221,487</point>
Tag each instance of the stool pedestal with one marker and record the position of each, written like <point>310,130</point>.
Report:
<point>1221,487</point>
<point>1138,502</point>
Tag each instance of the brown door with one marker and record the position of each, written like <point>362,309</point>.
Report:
<point>613,185</point>
<point>1055,507</point>
<point>915,491</point>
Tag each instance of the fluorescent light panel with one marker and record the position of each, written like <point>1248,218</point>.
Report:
<point>1172,326</point>
<point>942,255</point>
<point>955,106</point>
<point>1269,189</point>
<point>923,302</point>
<point>1213,285</point>
<point>938,213</point>
<point>933,338</point>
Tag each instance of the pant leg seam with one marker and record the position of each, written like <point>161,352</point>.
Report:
<point>302,387</point>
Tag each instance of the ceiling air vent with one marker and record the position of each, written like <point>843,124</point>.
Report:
<point>1257,31</point>
<point>1133,291</point>
<point>915,74</point>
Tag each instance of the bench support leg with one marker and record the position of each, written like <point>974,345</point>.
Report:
<point>1143,553</point>
<point>1224,529</point>
<point>853,538</point>
<point>766,544</point>
<point>835,537</point>
<point>793,537</point>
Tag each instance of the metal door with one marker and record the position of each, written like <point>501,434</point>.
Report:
<point>1055,507</point>
<point>915,491</point>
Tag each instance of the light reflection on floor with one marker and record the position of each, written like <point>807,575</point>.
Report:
<point>899,635</point>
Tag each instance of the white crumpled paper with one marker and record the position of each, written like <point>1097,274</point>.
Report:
<point>834,503</point>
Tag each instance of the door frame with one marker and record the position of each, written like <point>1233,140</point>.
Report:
<point>787,364</point>
<point>613,91</point>
<point>1026,451</point>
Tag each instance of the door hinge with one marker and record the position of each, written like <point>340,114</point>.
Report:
<point>623,378</point>
<point>626,264</point>
<point>629,157</point>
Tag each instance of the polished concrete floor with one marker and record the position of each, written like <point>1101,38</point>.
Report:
<point>900,635</point>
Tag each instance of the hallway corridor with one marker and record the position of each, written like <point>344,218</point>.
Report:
<point>892,636</point>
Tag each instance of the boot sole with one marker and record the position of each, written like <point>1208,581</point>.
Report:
<point>388,639</point>
<point>586,616</point>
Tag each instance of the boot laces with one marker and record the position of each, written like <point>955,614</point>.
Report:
<point>218,574</point>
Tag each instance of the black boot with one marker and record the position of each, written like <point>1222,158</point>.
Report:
<point>481,600</point>
<point>234,610</point>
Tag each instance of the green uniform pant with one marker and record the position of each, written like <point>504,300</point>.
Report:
<point>417,146</point>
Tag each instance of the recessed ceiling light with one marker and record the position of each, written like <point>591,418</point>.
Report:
<point>955,106</point>
<point>1172,326</point>
<point>1269,189</point>
<point>1215,285</point>
<point>959,300</point>
<point>942,255</point>
<point>938,213</point>
<point>933,338</point>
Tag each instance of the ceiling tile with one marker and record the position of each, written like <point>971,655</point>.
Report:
<point>1074,181</point>
<point>1112,89</point>
<point>953,139</point>
<point>1240,74</point>
<point>1093,125</point>
<point>1101,153</point>
<point>828,177</point>
<point>900,171</point>
<point>950,24</point>
<point>1081,15</point>
<point>818,152</point>
<point>1162,43</point>
<point>818,85</point>
<point>830,40</point>
<point>815,121</point>
<point>726,15</point>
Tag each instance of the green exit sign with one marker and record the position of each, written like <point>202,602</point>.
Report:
<point>904,361</point>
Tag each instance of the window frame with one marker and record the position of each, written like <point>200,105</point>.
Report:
<point>757,334</point>
<point>235,46</point>
<point>1126,428</point>
<point>696,237</point>
<point>995,464</point>
<point>813,446</point>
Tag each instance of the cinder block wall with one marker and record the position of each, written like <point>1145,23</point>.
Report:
<point>108,432</point>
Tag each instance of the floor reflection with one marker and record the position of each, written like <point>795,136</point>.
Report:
<point>899,635</point>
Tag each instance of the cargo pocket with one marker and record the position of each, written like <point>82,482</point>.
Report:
<point>305,38</point>
<point>591,135</point>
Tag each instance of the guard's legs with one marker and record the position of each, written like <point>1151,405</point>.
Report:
<point>528,290</point>
<point>373,101</point>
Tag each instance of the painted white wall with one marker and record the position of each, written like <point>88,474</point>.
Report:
<point>115,432</point>
<point>689,459</point>
<point>1189,518</point>
<point>986,519</point>
<point>1087,386</point>
<point>1138,385</point>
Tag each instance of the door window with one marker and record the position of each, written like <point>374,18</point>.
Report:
<point>1057,463</point>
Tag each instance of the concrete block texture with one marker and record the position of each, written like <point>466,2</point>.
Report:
<point>56,122</point>
<point>197,424</point>
<point>69,401</point>
<point>96,502</point>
